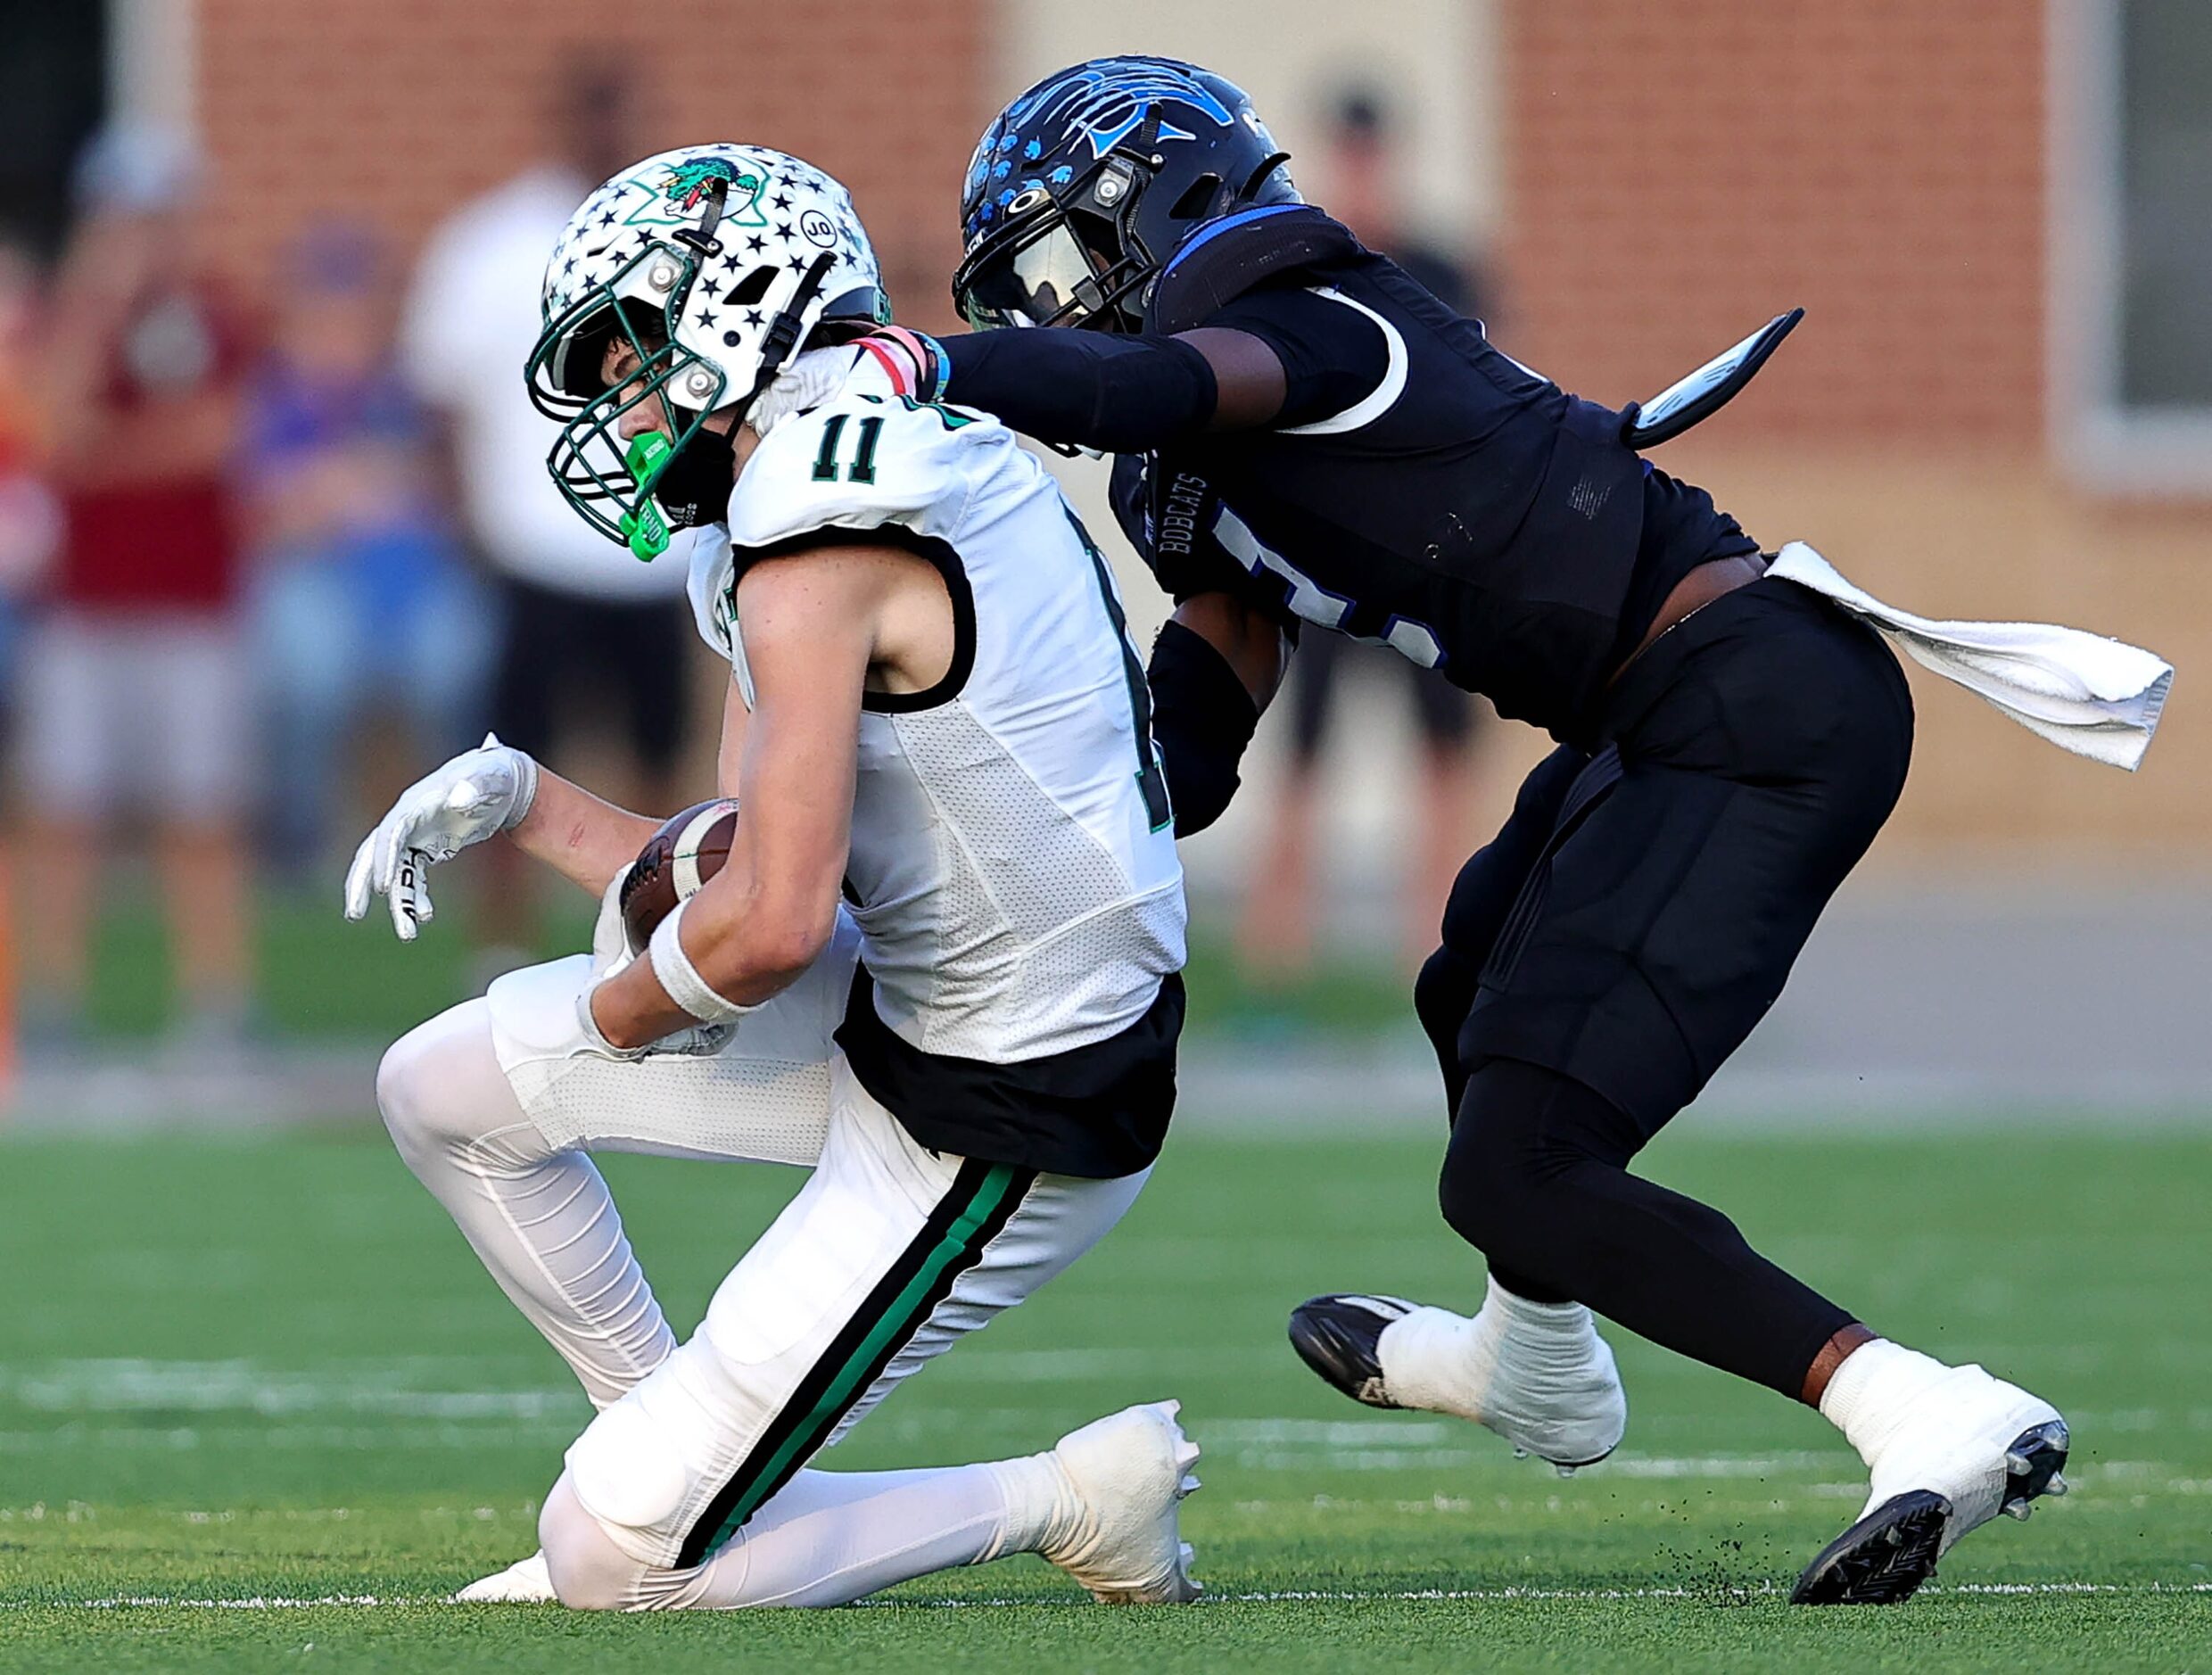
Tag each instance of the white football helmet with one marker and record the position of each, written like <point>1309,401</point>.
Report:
<point>714,262</point>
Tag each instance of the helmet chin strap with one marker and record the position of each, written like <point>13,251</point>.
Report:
<point>783,332</point>
<point>650,459</point>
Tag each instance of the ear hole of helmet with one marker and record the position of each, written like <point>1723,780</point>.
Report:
<point>1198,198</point>
<point>752,288</point>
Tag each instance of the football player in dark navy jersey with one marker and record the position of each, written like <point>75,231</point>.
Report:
<point>1309,441</point>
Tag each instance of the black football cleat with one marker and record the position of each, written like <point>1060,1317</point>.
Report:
<point>1883,1559</point>
<point>1338,1336</point>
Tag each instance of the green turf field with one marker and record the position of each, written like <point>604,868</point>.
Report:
<point>269,1371</point>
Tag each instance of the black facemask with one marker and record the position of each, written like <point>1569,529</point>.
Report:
<point>694,487</point>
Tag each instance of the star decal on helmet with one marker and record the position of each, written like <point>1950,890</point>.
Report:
<point>638,248</point>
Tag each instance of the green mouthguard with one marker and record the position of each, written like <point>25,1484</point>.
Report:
<point>645,529</point>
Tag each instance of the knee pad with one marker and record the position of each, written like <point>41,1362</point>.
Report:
<point>626,1470</point>
<point>440,1084</point>
<point>590,1573</point>
<point>1442,996</point>
<point>406,1090</point>
<point>647,1467</point>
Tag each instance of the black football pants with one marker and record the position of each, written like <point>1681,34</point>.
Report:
<point>1635,919</point>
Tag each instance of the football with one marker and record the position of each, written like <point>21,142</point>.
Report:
<point>689,849</point>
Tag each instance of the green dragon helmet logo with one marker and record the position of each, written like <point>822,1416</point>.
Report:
<point>687,182</point>
<point>676,195</point>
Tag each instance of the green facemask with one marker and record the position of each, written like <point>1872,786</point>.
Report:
<point>609,483</point>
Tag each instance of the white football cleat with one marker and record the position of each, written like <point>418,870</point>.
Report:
<point>1122,1541</point>
<point>525,1582</point>
<point>1963,1448</point>
<point>1537,1373</point>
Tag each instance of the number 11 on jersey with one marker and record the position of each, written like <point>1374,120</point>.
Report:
<point>863,467</point>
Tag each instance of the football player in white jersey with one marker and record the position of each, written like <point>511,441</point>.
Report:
<point>939,967</point>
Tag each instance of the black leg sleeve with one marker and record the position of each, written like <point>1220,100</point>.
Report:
<point>1534,1179</point>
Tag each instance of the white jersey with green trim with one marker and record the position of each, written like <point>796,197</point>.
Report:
<point>1013,869</point>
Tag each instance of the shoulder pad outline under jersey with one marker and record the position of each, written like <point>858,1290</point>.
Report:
<point>909,473</point>
<point>1225,258</point>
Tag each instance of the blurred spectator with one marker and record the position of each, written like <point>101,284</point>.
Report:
<point>134,692</point>
<point>582,619</point>
<point>1277,937</point>
<point>359,603</point>
<point>30,518</point>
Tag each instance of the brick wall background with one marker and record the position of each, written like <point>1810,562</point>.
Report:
<point>393,110</point>
<point>1679,172</point>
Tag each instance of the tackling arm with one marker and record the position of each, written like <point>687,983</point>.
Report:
<point>1214,667</point>
<point>1091,390</point>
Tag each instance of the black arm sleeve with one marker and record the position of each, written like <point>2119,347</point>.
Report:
<point>1203,719</point>
<point>1121,394</point>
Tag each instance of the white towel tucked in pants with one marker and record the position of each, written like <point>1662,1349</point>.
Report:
<point>2095,697</point>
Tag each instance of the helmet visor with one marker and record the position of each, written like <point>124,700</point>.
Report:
<point>1044,274</point>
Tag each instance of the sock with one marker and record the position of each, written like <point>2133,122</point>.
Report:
<point>1537,1373</point>
<point>1041,1504</point>
<point>1872,1393</point>
<point>1445,1363</point>
<point>825,1539</point>
<point>1919,1425</point>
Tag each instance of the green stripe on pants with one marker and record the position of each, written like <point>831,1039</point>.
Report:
<point>901,1317</point>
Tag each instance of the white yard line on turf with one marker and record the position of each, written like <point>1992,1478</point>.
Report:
<point>1295,1595</point>
<point>410,1389</point>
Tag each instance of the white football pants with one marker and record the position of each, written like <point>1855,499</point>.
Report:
<point>690,1482</point>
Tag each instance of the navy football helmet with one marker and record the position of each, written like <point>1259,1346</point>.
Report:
<point>1084,187</point>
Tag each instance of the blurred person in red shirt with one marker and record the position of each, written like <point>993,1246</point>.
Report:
<point>359,600</point>
<point>582,634</point>
<point>1275,941</point>
<point>134,692</point>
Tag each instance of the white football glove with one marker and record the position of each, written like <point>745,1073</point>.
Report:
<point>807,381</point>
<point>480,793</point>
